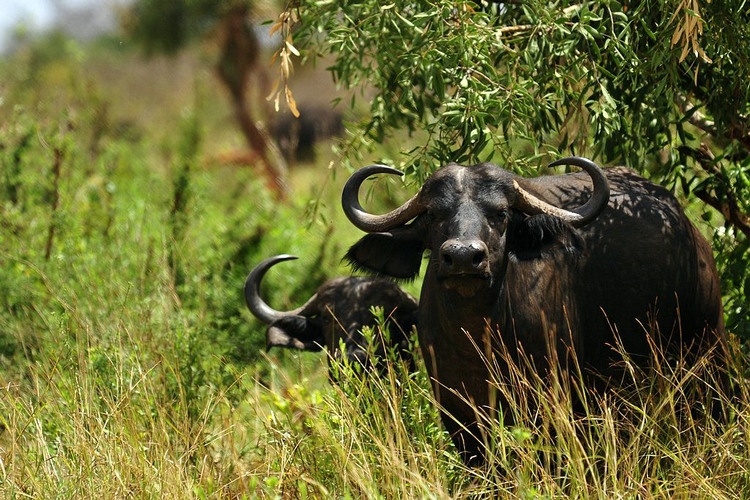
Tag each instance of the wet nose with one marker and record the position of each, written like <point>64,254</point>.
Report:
<point>463,257</point>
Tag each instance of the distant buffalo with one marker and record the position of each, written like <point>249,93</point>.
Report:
<point>562,267</point>
<point>297,137</point>
<point>333,318</point>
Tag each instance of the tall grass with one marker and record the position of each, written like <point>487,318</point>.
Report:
<point>124,339</point>
<point>71,432</point>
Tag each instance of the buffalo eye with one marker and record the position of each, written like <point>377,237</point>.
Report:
<point>498,217</point>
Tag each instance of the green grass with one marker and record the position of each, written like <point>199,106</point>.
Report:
<point>129,366</point>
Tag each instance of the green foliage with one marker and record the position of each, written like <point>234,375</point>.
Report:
<point>646,84</point>
<point>734,260</point>
<point>88,215</point>
<point>188,150</point>
<point>590,76</point>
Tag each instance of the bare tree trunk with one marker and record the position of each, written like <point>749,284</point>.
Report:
<point>239,58</point>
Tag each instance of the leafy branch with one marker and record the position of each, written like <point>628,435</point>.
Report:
<point>284,25</point>
<point>723,200</point>
<point>737,131</point>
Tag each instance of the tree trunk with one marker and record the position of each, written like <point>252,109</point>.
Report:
<point>239,58</point>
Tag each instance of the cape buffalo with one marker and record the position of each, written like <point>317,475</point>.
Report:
<point>298,136</point>
<point>335,315</point>
<point>562,267</point>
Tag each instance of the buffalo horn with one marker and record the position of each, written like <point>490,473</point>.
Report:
<point>375,223</point>
<point>255,303</point>
<point>582,215</point>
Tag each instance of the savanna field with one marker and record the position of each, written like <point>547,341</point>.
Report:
<point>130,367</point>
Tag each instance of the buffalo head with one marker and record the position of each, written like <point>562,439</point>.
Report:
<point>333,318</point>
<point>469,219</point>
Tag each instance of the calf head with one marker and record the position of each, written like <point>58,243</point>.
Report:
<point>335,316</point>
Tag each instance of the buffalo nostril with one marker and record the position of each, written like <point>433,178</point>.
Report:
<point>447,259</point>
<point>478,259</point>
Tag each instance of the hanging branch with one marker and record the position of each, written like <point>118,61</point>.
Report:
<point>724,202</point>
<point>739,133</point>
<point>284,24</point>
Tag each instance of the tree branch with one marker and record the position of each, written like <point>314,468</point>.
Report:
<point>725,202</point>
<point>695,117</point>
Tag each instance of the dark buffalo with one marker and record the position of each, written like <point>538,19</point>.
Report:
<point>550,265</point>
<point>335,315</point>
<point>298,136</point>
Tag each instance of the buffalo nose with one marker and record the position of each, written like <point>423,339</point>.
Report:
<point>463,257</point>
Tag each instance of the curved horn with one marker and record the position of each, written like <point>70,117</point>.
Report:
<point>257,306</point>
<point>375,223</point>
<point>581,215</point>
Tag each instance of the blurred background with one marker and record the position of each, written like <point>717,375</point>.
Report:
<point>176,50</point>
<point>82,19</point>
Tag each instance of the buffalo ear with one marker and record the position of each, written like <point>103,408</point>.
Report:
<point>541,234</point>
<point>387,254</point>
<point>295,332</point>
